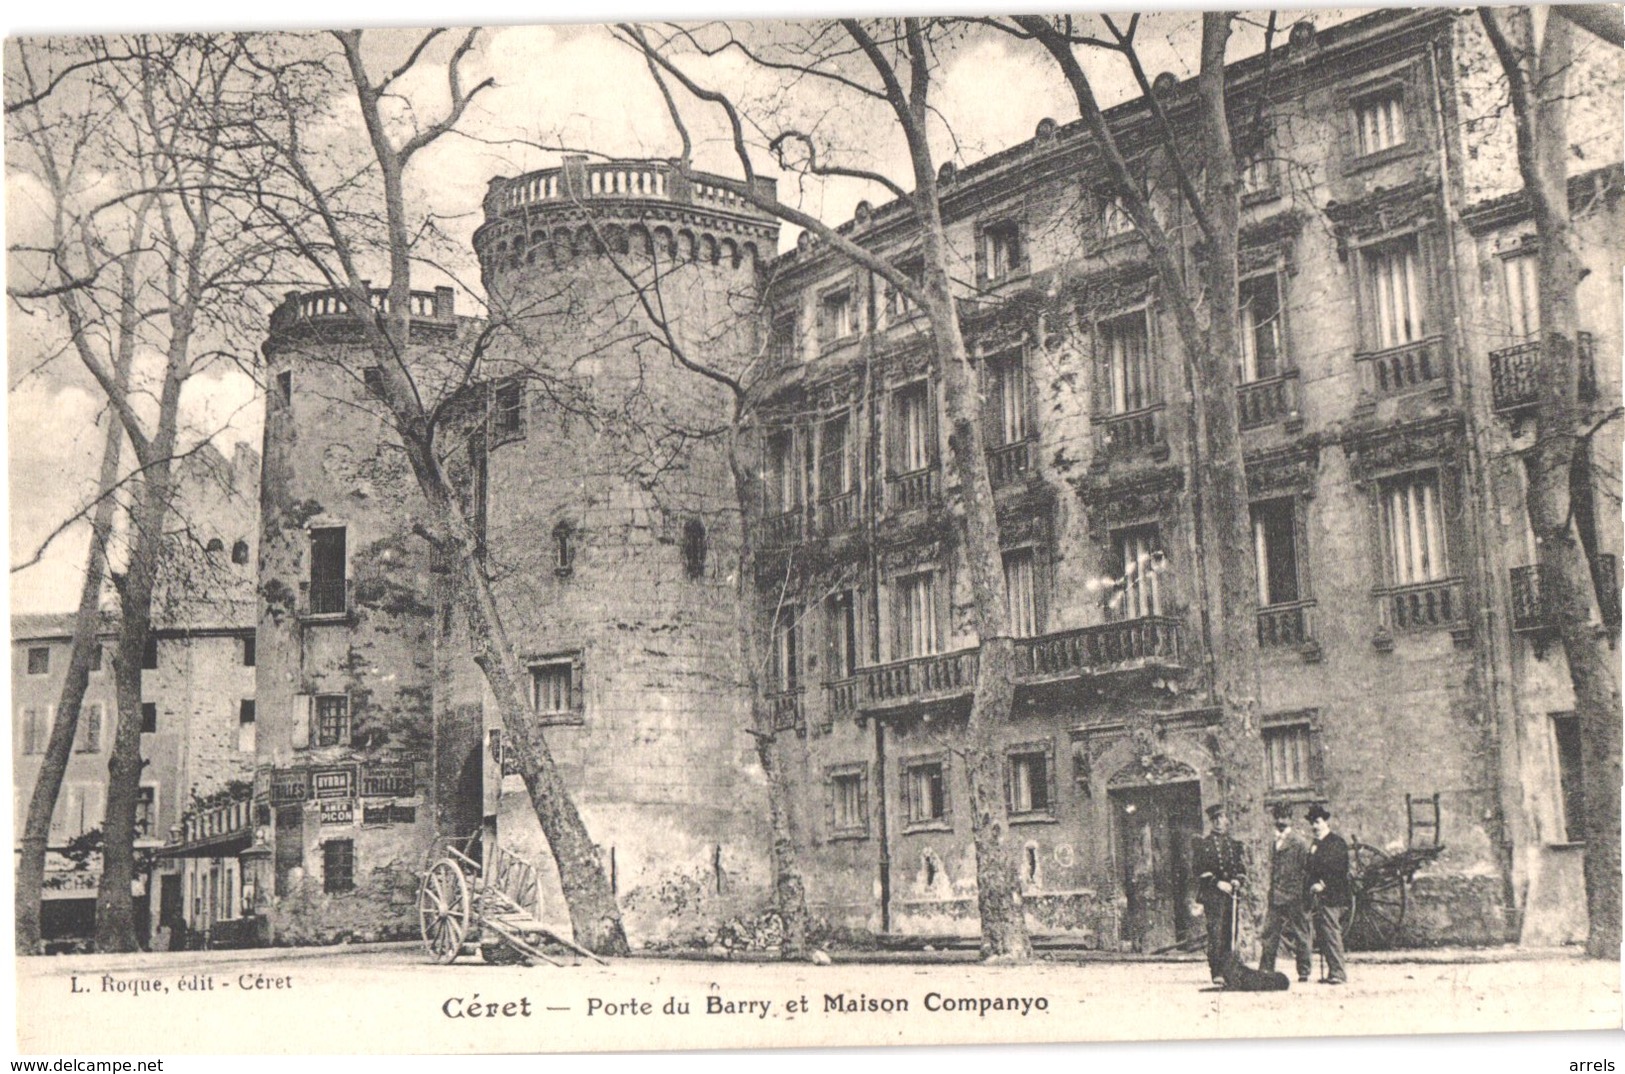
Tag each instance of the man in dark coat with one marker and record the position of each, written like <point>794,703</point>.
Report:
<point>1220,868</point>
<point>1288,913</point>
<point>1329,890</point>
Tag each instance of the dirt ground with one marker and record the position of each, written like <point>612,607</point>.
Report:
<point>387,999</point>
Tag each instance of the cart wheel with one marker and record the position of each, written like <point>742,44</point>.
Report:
<point>1377,921</point>
<point>443,910</point>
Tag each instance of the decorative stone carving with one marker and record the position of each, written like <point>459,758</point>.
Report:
<point>1386,451</point>
<point>1288,471</point>
<point>1111,504</point>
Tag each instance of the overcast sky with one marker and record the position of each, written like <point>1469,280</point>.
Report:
<point>556,84</point>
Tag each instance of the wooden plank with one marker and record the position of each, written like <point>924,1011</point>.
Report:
<point>524,947</point>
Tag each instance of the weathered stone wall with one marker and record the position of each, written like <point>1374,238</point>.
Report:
<point>620,458</point>
<point>330,460</point>
<point>1393,711</point>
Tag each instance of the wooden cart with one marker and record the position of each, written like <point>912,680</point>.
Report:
<point>473,900</point>
<point>1381,881</point>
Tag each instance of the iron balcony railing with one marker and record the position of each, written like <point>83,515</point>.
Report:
<point>1530,610</point>
<point>1515,376</point>
<point>1110,648</point>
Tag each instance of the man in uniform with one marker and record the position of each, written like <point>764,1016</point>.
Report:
<point>1329,890</point>
<point>1288,913</point>
<point>1219,867</point>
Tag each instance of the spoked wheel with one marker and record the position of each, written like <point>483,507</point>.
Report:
<point>515,879</point>
<point>1377,921</point>
<point>443,910</point>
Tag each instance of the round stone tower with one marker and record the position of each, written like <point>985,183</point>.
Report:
<point>612,526</point>
<point>355,775</point>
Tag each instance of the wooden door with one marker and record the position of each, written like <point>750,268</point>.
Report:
<point>1155,827</point>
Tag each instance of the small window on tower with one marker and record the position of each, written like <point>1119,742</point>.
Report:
<point>564,549</point>
<point>694,547</point>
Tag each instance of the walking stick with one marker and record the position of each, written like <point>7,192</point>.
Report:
<point>1314,931</point>
<point>1235,917</point>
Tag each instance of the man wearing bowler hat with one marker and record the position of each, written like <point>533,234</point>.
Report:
<point>1288,913</point>
<point>1329,892</point>
<point>1220,868</point>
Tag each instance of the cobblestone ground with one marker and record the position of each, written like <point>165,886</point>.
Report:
<point>387,999</point>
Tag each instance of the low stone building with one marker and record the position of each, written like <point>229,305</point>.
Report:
<point>197,704</point>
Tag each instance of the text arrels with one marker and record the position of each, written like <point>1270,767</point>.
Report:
<point>475,1007</point>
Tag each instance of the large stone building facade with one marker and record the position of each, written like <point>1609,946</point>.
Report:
<point>1409,676</point>
<point>1407,673</point>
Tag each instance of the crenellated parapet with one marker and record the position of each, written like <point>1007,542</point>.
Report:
<point>638,208</point>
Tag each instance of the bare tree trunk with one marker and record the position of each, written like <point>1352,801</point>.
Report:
<point>86,624</point>
<point>1538,84</point>
<point>116,928</point>
<point>1206,318</point>
<point>1217,464</point>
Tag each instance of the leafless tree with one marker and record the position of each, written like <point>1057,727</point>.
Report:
<point>363,218</point>
<point>1203,299</point>
<point>1559,482</point>
<point>894,63</point>
<point>142,251</point>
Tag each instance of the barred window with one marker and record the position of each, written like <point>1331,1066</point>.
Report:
<point>508,410</point>
<point>332,720</point>
<point>550,686</point>
<point>338,866</point>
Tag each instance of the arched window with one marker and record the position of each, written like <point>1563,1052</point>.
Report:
<point>564,548</point>
<point>694,547</point>
<point>215,545</point>
<point>239,552</point>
